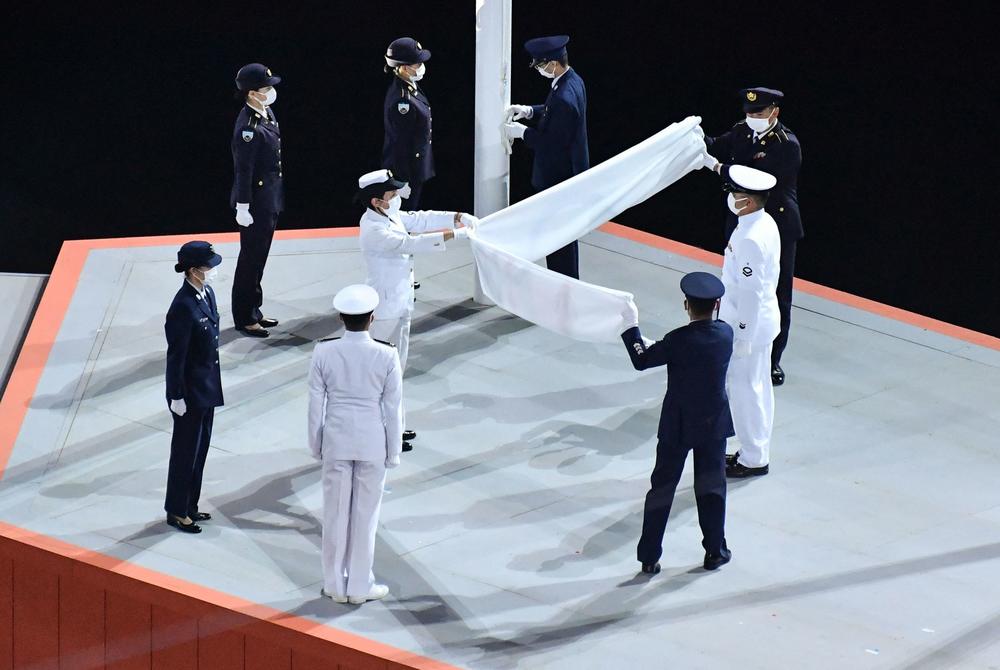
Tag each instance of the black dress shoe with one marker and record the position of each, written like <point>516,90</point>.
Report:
<point>254,332</point>
<point>407,447</point>
<point>651,569</point>
<point>267,323</point>
<point>715,561</point>
<point>731,459</point>
<point>740,471</point>
<point>409,435</point>
<point>178,523</point>
<point>777,375</point>
<point>200,516</point>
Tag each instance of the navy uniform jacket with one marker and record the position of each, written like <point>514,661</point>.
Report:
<point>192,328</point>
<point>406,149</point>
<point>257,162</point>
<point>696,407</point>
<point>778,153</point>
<point>559,138</point>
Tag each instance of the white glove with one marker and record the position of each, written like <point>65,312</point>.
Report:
<point>461,233</point>
<point>514,131</point>
<point>515,112</point>
<point>469,221</point>
<point>404,192</point>
<point>741,348</point>
<point>178,407</point>
<point>709,161</point>
<point>392,461</point>
<point>243,214</point>
<point>630,315</point>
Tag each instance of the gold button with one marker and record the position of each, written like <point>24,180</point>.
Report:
<point>781,209</point>
<point>762,143</point>
<point>279,174</point>
<point>418,154</point>
<point>260,183</point>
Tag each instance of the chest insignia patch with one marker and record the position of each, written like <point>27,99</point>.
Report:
<point>247,135</point>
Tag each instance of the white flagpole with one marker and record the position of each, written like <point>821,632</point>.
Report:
<point>492,164</point>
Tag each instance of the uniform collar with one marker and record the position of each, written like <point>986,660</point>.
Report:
<point>266,115</point>
<point>200,292</point>
<point>357,335</point>
<point>752,216</point>
<point>413,88</point>
<point>555,82</point>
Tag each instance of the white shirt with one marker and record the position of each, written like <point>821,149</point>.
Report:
<point>355,399</point>
<point>757,136</point>
<point>200,291</point>
<point>750,270</point>
<point>387,244</point>
<point>556,80</point>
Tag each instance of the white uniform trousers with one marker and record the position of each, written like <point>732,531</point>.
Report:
<point>396,331</point>
<point>352,498</point>
<point>751,399</point>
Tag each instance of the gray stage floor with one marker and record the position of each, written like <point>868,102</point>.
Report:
<point>508,536</point>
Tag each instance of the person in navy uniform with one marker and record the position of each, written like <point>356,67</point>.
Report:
<point>406,149</point>
<point>761,141</point>
<point>258,193</point>
<point>559,134</point>
<point>695,417</point>
<point>194,381</point>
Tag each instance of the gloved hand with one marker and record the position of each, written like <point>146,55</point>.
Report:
<point>243,214</point>
<point>741,348</point>
<point>515,112</point>
<point>461,233</point>
<point>514,131</point>
<point>709,161</point>
<point>392,461</point>
<point>404,192</point>
<point>469,221</point>
<point>178,407</point>
<point>630,315</point>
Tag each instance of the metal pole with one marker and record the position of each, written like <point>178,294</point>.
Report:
<point>492,164</point>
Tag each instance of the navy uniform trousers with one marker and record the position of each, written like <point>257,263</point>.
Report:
<point>695,417</point>
<point>709,495</point>
<point>255,246</point>
<point>188,451</point>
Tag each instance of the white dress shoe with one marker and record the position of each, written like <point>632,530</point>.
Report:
<point>378,592</point>
<point>336,599</point>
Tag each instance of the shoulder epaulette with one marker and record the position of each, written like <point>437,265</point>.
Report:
<point>253,120</point>
<point>329,339</point>
<point>388,344</point>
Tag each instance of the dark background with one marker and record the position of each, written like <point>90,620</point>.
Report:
<point>117,122</point>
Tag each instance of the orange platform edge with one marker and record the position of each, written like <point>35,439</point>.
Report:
<point>64,606</point>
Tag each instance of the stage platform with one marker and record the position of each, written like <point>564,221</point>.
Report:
<point>508,536</point>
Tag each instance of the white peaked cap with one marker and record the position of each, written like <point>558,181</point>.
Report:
<point>356,299</point>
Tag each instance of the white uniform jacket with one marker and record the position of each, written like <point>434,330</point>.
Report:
<point>355,400</point>
<point>387,244</point>
<point>750,274</point>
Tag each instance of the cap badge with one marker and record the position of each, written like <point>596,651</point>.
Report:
<point>751,96</point>
<point>268,71</point>
<point>419,47</point>
<point>388,52</point>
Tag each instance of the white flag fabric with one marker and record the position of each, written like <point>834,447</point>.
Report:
<point>506,243</point>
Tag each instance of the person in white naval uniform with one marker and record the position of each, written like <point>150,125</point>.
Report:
<point>750,271</point>
<point>355,430</point>
<point>389,238</point>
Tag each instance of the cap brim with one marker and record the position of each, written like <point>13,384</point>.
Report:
<point>272,81</point>
<point>424,56</point>
<point>214,260</point>
<point>755,107</point>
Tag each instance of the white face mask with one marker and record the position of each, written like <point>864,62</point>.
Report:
<point>209,277</point>
<point>545,73</point>
<point>419,74</point>
<point>271,96</point>
<point>731,202</point>
<point>394,204</point>
<point>758,125</point>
